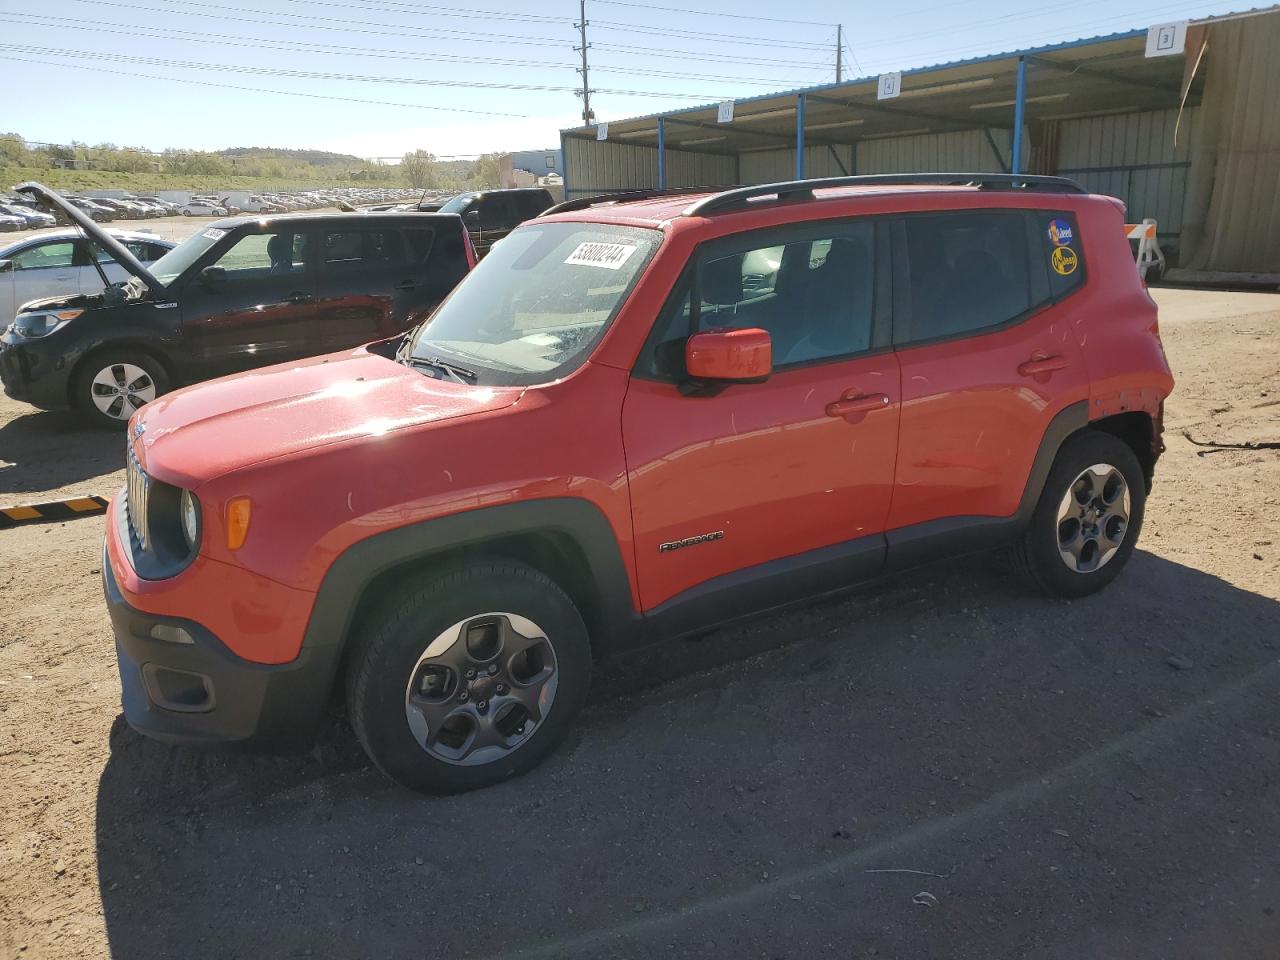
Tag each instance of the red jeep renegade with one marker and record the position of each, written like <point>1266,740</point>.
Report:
<point>641,416</point>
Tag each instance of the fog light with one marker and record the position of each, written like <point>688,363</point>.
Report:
<point>170,634</point>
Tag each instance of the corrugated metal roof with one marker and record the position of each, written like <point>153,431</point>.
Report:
<point>1125,35</point>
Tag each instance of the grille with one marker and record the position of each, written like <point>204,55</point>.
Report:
<point>137,490</point>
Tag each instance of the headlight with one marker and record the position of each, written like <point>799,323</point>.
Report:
<point>42,323</point>
<point>190,509</point>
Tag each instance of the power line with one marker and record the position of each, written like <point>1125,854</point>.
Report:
<point>633,50</point>
<point>324,75</point>
<point>705,35</point>
<point>239,40</point>
<point>232,86</point>
<point>394,29</point>
<point>715,13</point>
<point>468,13</point>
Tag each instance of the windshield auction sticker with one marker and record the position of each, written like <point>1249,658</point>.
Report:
<point>213,233</point>
<point>611,256</point>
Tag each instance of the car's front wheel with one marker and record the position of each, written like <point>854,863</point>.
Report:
<point>469,677</point>
<point>113,384</point>
<point>1088,518</point>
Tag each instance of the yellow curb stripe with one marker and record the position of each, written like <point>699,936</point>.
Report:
<point>22,513</point>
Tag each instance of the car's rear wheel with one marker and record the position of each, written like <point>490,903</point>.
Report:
<point>468,678</point>
<point>113,384</point>
<point>1086,523</point>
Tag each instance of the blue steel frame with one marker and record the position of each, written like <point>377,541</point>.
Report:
<point>1018,110</point>
<point>1019,105</point>
<point>662,153</point>
<point>800,99</point>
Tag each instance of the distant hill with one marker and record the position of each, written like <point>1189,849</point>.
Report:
<point>318,158</point>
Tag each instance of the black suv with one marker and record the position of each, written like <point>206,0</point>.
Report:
<point>243,292</point>
<point>491,214</point>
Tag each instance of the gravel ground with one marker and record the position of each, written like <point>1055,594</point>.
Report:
<point>942,765</point>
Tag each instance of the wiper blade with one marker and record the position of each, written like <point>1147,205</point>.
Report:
<point>461,374</point>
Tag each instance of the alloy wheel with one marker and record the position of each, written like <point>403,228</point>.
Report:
<point>120,389</point>
<point>1093,518</point>
<point>481,688</point>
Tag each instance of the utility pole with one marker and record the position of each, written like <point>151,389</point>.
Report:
<point>839,49</point>
<point>588,115</point>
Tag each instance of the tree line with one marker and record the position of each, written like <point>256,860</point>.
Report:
<point>419,169</point>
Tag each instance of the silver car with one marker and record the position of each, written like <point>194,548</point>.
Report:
<point>63,261</point>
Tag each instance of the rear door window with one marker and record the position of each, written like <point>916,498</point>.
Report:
<point>363,250</point>
<point>968,271</point>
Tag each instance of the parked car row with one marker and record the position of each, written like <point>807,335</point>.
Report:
<point>106,320</point>
<point>243,292</point>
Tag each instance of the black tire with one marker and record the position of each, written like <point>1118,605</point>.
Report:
<point>1037,557</point>
<point>117,358</point>
<point>400,630</point>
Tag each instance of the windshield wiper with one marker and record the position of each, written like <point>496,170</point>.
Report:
<point>461,374</point>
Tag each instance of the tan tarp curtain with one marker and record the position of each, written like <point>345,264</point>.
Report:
<point>1231,221</point>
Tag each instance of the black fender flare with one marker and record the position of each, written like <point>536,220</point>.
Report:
<point>357,567</point>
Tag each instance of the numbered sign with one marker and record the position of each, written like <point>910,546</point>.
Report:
<point>725,112</point>
<point>890,86</point>
<point>1167,39</point>
<point>602,131</point>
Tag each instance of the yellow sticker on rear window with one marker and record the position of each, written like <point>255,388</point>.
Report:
<point>1064,261</point>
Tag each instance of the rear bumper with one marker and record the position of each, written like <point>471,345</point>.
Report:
<point>181,684</point>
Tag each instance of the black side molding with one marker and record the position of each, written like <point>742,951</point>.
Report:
<point>767,586</point>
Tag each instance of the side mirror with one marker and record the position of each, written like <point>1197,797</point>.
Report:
<point>213,276</point>
<point>6,266</point>
<point>472,219</point>
<point>743,356</point>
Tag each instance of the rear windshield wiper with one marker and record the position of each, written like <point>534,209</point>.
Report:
<point>461,374</point>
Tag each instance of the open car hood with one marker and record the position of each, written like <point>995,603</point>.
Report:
<point>119,252</point>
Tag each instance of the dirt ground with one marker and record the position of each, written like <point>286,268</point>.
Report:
<point>942,765</point>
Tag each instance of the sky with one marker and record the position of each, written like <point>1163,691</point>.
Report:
<point>377,78</point>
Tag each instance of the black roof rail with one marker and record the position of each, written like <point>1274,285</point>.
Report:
<point>627,196</point>
<point>803,189</point>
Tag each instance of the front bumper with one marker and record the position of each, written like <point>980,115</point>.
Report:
<point>201,692</point>
<point>34,372</point>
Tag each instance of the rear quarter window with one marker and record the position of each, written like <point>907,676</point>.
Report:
<point>1061,252</point>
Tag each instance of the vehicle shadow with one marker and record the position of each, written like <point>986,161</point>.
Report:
<point>48,451</point>
<point>945,765</point>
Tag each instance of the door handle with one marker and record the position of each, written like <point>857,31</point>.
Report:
<point>407,285</point>
<point>1040,363</point>
<point>299,298</point>
<point>857,403</point>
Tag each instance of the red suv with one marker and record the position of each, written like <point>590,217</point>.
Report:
<point>641,416</point>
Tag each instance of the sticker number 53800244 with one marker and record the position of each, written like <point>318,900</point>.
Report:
<point>611,256</point>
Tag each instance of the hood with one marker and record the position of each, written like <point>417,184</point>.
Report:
<point>119,253</point>
<point>205,431</point>
<point>65,301</point>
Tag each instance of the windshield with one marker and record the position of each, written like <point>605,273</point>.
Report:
<point>457,204</point>
<point>537,304</point>
<point>169,267</point>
